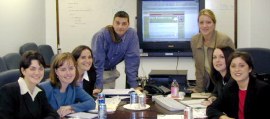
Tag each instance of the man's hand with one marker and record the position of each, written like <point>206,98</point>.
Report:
<point>96,91</point>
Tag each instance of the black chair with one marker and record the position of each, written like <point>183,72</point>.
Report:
<point>260,58</point>
<point>14,74</point>
<point>9,76</point>
<point>12,60</point>
<point>47,52</point>
<point>261,62</point>
<point>3,66</point>
<point>28,46</point>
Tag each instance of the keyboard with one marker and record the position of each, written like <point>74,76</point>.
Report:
<point>168,103</point>
<point>111,104</point>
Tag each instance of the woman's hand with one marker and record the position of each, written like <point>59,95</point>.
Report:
<point>225,117</point>
<point>65,110</point>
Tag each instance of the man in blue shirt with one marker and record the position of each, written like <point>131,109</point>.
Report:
<point>111,45</point>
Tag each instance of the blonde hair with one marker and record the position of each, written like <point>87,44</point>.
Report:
<point>208,13</point>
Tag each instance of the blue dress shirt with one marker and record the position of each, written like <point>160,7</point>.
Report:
<point>108,54</point>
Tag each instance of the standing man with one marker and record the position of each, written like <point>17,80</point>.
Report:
<point>111,45</point>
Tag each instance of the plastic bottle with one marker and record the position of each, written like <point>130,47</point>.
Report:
<point>174,89</point>
<point>102,111</point>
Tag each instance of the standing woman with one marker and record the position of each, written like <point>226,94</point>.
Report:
<point>62,91</point>
<point>87,73</point>
<point>203,45</point>
<point>243,98</point>
<point>24,99</point>
<point>219,72</point>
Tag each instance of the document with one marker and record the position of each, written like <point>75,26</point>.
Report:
<point>117,91</point>
<point>83,115</point>
<point>170,116</point>
<point>200,95</point>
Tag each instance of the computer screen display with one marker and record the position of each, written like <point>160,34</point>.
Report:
<point>167,25</point>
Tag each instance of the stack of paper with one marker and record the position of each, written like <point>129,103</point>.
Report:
<point>200,95</point>
<point>111,104</point>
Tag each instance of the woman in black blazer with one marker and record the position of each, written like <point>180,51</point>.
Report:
<point>87,73</point>
<point>219,73</point>
<point>245,97</point>
<point>24,99</point>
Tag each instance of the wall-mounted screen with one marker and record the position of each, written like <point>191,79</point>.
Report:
<point>165,27</point>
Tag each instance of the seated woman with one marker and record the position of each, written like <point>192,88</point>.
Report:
<point>87,73</point>
<point>24,99</point>
<point>62,91</point>
<point>243,98</point>
<point>219,72</point>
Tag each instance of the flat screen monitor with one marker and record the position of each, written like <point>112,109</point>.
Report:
<point>167,26</point>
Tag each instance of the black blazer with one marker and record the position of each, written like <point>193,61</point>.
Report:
<point>219,86</point>
<point>257,99</point>
<point>13,105</point>
<point>89,86</point>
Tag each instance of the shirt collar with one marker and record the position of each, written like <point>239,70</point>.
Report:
<point>85,76</point>
<point>24,89</point>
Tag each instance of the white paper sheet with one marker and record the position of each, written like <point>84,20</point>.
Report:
<point>83,115</point>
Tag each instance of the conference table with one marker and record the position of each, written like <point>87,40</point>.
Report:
<point>150,113</point>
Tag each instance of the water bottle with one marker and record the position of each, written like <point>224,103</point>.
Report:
<point>102,111</point>
<point>174,89</point>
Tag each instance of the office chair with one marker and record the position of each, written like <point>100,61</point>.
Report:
<point>12,60</point>
<point>47,52</point>
<point>28,46</point>
<point>261,62</point>
<point>3,66</point>
<point>260,58</point>
<point>9,76</point>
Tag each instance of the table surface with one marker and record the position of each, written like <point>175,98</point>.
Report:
<point>150,113</point>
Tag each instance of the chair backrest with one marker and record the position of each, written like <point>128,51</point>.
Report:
<point>9,76</point>
<point>3,66</point>
<point>14,74</point>
<point>12,60</point>
<point>28,46</point>
<point>47,52</point>
<point>260,58</point>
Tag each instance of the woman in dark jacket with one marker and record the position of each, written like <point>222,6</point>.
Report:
<point>219,72</point>
<point>24,99</point>
<point>87,73</point>
<point>245,97</point>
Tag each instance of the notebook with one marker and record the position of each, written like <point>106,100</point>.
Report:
<point>200,95</point>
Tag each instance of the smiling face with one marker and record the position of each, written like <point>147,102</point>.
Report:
<point>34,73</point>
<point>206,25</point>
<point>67,72</point>
<point>219,62</point>
<point>120,25</point>
<point>85,61</point>
<point>239,69</point>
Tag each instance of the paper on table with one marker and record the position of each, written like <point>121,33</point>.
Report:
<point>117,91</point>
<point>83,115</point>
<point>170,116</point>
<point>194,103</point>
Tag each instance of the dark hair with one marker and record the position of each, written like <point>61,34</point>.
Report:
<point>58,61</point>
<point>27,57</point>
<point>121,14</point>
<point>244,56</point>
<point>227,51</point>
<point>78,51</point>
